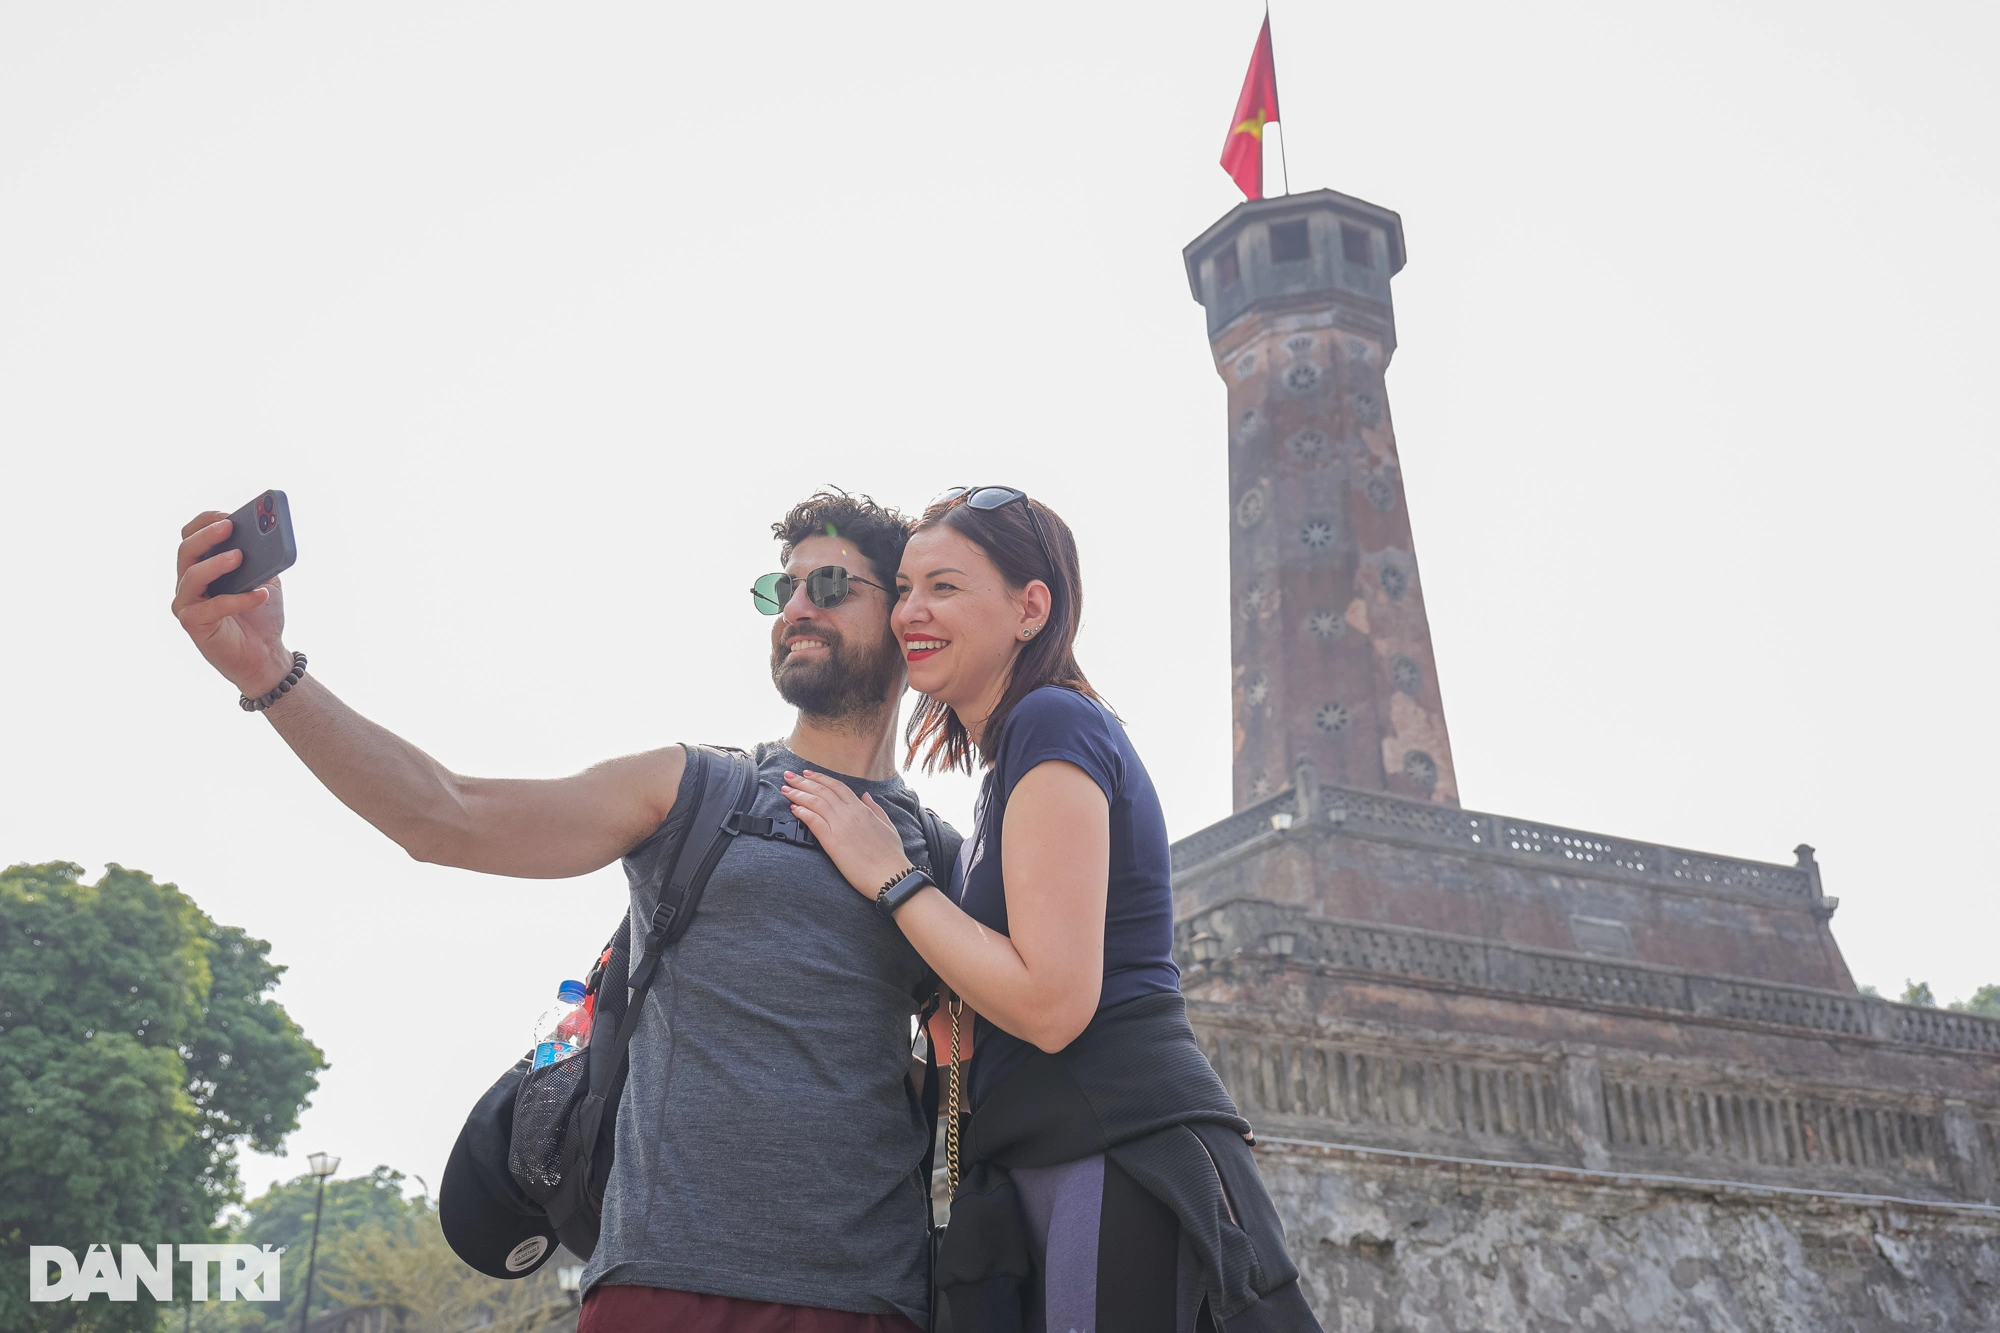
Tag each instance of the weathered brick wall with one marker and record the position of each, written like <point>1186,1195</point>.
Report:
<point>1424,1245</point>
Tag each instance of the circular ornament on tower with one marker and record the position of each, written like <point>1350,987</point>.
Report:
<point>1309,448</point>
<point>1257,691</point>
<point>1325,626</point>
<point>1381,492</point>
<point>1316,534</point>
<point>1409,677</point>
<point>1421,769</point>
<point>1395,582</point>
<point>1332,718</point>
<point>1368,410</point>
<point>1301,377</point>
<point>1250,509</point>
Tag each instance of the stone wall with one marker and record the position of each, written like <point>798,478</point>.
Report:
<point>1420,1244</point>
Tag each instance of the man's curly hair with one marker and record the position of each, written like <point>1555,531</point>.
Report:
<point>878,532</point>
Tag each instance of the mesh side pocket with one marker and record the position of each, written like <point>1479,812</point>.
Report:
<point>543,1110</point>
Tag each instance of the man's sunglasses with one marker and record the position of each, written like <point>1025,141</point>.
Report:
<point>825,587</point>
<point>995,497</point>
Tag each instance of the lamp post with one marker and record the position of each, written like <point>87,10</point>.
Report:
<point>322,1166</point>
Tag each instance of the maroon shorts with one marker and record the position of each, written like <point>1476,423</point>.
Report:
<point>658,1310</point>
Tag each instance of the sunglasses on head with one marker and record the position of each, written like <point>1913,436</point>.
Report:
<point>826,587</point>
<point>995,497</point>
<point>981,497</point>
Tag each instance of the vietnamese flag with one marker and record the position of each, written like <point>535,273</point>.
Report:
<point>1243,150</point>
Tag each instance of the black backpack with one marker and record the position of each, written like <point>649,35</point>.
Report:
<point>531,1164</point>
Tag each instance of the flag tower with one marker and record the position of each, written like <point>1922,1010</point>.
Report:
<point>1330,645</point>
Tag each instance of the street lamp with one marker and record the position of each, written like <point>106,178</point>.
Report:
<point>321,1165</point>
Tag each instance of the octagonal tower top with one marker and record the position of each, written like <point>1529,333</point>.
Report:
<point>1297,248</point>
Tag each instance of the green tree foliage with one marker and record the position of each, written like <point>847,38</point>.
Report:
<point>138,1052</point>
<point>282,1217</point>
<point>413,1269</point>
<point>1985,1001</point>
<point>376,1247</point>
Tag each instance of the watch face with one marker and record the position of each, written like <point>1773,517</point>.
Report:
<point>900,892</point>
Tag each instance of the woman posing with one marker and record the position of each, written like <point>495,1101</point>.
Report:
<point>1108,1186</point>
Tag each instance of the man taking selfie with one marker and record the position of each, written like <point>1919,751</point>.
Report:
<point>768,1146</point>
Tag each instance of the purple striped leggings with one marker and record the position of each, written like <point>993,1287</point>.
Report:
<point>1104,1250</point>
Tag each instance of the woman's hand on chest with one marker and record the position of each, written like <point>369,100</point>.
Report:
<point>856,832</point>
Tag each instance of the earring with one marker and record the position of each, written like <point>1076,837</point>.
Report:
<point>1029,632</point>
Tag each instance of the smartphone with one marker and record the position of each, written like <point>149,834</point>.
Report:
<point>262,530</point>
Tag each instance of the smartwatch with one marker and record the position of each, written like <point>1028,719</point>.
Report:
<point>900,890</point>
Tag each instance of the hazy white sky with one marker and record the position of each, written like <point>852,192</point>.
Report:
<point>542,314</point>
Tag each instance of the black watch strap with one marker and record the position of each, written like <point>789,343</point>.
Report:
<point>899,891</point>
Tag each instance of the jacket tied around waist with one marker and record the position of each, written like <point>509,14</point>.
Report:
<point>1136,1087</point>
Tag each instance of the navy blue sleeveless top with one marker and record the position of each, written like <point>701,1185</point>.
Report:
<point>1053,723</point>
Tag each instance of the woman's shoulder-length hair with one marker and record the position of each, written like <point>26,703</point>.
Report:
<point>1025,546</point>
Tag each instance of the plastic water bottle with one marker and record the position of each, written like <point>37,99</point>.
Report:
<point>564,1029</point>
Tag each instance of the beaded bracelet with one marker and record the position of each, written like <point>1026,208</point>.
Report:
<point>279,691</point>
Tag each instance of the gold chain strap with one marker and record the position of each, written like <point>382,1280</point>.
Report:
<point>956,1007</point>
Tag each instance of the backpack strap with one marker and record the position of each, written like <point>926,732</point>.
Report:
<point>798,835</point>
<point>934,848</point>
<point>776,830</point>
<point>728,784</point>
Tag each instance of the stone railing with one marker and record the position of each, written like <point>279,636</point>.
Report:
<point>1226,835</point>
<point>1554,1108</point>
<point>1511,1109</point>
<point>1546,846</point>
<point>1256,927</point>
<point>1773,1129</point>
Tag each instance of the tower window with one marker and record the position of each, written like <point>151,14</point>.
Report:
<point>1227,274</point>
<point>1289,242</point>
<point>1354,246</point>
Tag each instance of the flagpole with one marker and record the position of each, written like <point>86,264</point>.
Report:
<point>1283,165</point>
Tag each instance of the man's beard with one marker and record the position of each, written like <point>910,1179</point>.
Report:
<point>843,685</point>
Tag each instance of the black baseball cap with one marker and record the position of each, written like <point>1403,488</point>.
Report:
<point>489,1220</point>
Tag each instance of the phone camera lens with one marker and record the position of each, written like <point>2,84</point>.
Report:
<point>267,517</point>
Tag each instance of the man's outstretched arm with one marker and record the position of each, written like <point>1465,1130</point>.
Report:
<point>534,829</point>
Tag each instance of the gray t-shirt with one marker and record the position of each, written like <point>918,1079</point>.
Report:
<point>768,1138</point>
